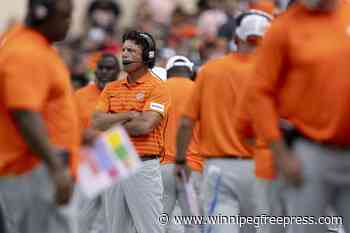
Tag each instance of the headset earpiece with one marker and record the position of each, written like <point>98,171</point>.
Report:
<point>40,10</point>
<point>151,54</point>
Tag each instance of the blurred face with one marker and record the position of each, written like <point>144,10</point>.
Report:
<point>60,21</point>
<point>132,56</point>
<point>250,44</point>
<point>254,40</point>
<point>107,71</point>
<point>103,18</point>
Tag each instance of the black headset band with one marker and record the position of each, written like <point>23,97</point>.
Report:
<point>35,6</point>
<point>149,40</point>
<point>149,53</point>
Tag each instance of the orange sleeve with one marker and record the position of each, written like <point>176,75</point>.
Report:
<point>243,121</point>
<point>192,108</point>
<point>159,100</point>
<point>80,109</point>
<point>270,63</point>
<point>26,82</point>
<point>103,101</point>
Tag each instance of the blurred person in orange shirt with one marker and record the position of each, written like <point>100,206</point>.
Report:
<point>268,198</point>
<point>228,170</point>
<point>38,120</point>
<point>179,83</point>
<point>91,210</point>
<point>297,59</point>
<point>108,70</point>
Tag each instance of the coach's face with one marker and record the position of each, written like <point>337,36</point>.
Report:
<point>132,56</point>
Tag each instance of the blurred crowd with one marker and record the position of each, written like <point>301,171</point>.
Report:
<point>269,146</point>
<point>200,32</point>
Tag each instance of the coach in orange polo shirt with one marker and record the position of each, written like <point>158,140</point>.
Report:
<point>228,171</point>
<point>107,70</point>
<point>39,131</point>
<point>140,103</point>
<point>304,75</point>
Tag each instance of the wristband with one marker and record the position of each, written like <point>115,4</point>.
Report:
<point>64,154</point>
<point>180,161</point>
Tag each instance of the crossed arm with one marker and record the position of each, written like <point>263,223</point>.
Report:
<point>135,123</point>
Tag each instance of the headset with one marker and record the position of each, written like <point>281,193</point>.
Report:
<point>149,51</point>
<point>149,48</point>
<point>243,15</point>
<point>40,10</point>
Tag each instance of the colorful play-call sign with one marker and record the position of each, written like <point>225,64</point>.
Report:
<point>112,158</point>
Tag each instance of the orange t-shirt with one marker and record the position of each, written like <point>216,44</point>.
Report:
<point>264,163</point>
<point>33,77</point>
<point>86,99</point>
<point>304,75</point>
<point>263,5</point>
<point>147,94</point>
<point>180,90</point>
<point>213,105</point>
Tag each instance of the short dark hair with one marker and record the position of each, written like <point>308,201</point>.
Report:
<point>104,5</point>
<point>135,36</point>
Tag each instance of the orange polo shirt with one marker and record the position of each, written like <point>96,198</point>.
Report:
<point>180,90</point>
<point>86,99</point>
<point>263,159</point>
<point>213,105</point>
<point>147,94</point>
<point>263,5</point>
<point>303,70</point>
<point>33,77</point>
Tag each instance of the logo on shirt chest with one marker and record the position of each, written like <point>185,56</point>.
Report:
<point>140,96</point>
<point>347,31</point>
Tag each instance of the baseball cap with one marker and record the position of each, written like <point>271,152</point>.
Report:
<point>254,23</point>
<point>179,61</point>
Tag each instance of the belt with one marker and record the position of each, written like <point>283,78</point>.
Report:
<point>148,157</point>
<point>291,134</point>
<point>235,157</point>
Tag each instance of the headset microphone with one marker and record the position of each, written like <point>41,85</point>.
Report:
<point>126,62</point>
